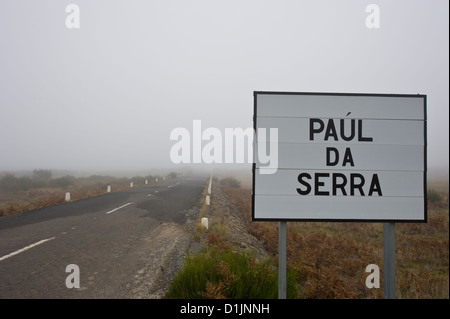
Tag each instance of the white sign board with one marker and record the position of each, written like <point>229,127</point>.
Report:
<point>346,157</point>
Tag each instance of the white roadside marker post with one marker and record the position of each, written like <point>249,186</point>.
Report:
<point>205,222</point>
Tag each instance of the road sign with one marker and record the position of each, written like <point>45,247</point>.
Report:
<point>343,157</point>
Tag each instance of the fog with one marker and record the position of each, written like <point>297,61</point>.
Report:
<point>106,96</point>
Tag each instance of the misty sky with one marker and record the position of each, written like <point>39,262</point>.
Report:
<point>107,95</point>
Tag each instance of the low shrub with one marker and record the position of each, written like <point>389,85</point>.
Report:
<point>230,182</point>
<point>216,274</point>
<point>433,195</point>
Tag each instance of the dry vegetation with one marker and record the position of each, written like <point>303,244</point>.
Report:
<point>19,194</point>
<point>330,258</point>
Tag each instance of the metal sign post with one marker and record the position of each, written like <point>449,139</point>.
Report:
<point>282,260</point>
<point>389,260</point>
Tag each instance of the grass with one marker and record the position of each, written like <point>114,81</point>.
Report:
<point>219,271</point>
<point>29,193</point>
<point>330,258</point>
<point>224,274</point>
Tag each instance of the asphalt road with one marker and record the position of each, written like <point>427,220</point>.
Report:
<point>108,237</point>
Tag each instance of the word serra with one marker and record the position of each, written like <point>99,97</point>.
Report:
<point>345,184</point>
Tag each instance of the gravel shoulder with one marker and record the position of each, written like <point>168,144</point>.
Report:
<point>169,246</point>
<point>172,242</point>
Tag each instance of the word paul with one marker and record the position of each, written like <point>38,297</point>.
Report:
<point>211,146</point>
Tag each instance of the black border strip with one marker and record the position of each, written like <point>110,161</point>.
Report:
<point>255,117</point>
<point>337,94</point>
<point>425,164</point>
<point>254,153</point>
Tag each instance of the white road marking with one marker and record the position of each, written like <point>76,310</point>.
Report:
<point>26,248</point>
<point>112,211</point>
